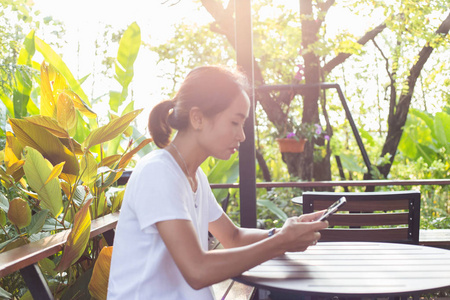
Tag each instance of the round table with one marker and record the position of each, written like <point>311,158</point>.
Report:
<point>355,269</point>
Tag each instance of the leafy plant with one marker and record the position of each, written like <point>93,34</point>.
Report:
<point>59,167</point>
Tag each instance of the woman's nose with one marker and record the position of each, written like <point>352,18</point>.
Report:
<point>241,135</point>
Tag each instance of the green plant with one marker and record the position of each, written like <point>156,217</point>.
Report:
<point>307,131</point>
<point>59,167</point>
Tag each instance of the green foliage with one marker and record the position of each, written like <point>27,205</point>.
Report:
<point>427,136</point>
<point>128,50</point>
<point>54,171</point>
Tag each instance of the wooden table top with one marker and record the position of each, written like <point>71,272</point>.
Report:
<point>355,269</point>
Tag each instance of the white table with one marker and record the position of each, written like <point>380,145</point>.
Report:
<point>355,269</point>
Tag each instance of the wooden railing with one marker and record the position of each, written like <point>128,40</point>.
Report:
<point>25,258</point>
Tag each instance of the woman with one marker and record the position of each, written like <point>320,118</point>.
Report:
<point>161,243</point>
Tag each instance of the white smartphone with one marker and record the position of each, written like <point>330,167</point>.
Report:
<point>333,208</point>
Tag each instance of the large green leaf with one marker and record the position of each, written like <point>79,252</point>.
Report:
<point>4,203</point>
<point>273,208</point>
<point>65,112</point>
<point>50,124</point>
<point>37,222</point>
<point>48,105</point>
<point>37,171</point>
<point>442,129</point>
<point>23,82</point>
<point>426,117</point>
<point>54,59</point>
<point>128,50</point>
<point>21,94</point>
<point>77,239</point>
<point>47,144</point>
<point>88,168</point>
<point>224,171</point>
<point>8,103</point>
<point>110,130</point>
<point>115,100</point>
<point>27,52</point>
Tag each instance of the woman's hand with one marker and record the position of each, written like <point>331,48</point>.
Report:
<point>299,233</point>
<point>312,216</point>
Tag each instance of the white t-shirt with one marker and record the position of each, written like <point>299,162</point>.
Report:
<point>141,266</point>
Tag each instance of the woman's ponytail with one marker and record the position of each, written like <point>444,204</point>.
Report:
<point>158,124</point>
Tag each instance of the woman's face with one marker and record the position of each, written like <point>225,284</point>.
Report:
<point>222,134</point>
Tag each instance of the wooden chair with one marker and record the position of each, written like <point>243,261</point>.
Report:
<point>372,216</point>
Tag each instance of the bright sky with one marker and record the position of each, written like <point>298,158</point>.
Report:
<point>85,19</point>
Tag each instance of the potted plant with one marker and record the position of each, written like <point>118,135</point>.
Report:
<point>294,142</point>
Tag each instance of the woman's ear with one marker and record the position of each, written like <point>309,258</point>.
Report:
<point>196,117</point>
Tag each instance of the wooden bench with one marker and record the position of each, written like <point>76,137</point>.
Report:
<point>435,238</point>
<point>25,259</point>
<point>427,237</point>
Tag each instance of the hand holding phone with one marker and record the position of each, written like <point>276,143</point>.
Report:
<point>333,208</point>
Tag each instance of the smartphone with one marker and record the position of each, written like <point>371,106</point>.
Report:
<point>333,208</point>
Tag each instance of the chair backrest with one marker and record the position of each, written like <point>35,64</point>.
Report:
<point>372,216</point>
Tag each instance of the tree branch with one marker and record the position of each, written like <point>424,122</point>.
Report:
<point>424,54</point>
<point>393,91</point>
<point>341,57</point>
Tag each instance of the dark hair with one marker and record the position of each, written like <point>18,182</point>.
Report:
<point>210,88</point>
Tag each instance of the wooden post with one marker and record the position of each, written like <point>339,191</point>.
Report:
<point>247,157</point>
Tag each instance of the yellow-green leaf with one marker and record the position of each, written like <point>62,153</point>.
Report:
<point>19,212</point>
<point>88,168</point>
<point>27,52</point>
<point>37,172</point>
<point>59,84</point>
<point>124,161</point>
<point>47,144</point>
<point>72,145</point>
<point>13,150</point>
<point>53,58</point>
<point>77,239</point>
<point>65,112</point>
<point>98,286</point>
<point>50,124</point>
<point>117,201</point>
<point>81,105</point>
<point>7,179</point>
<point>56,171</point>
<point>109,161</point>
<point>110,130</point>
<point>48,105</point>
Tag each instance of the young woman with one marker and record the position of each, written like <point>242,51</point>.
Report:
<point>161,242</point>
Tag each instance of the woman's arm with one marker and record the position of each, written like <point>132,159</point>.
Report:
<point>231,236</point>
<point>203,268</point>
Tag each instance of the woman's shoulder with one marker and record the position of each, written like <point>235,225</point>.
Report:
<point>158,161</point>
